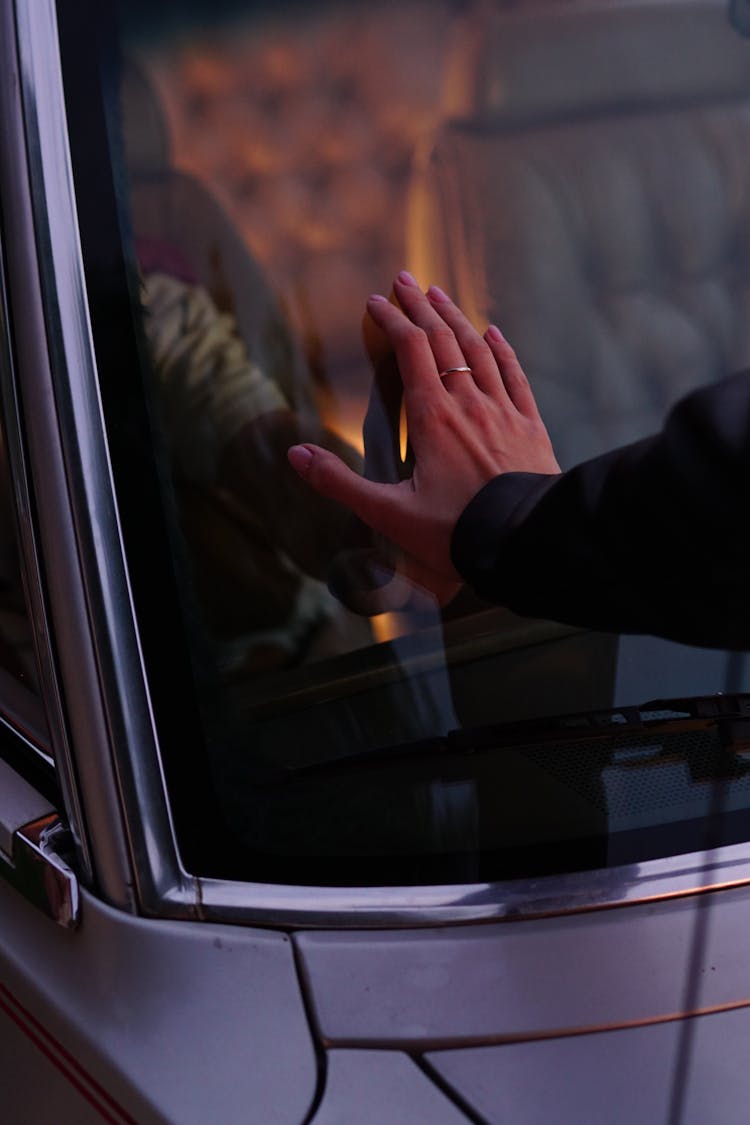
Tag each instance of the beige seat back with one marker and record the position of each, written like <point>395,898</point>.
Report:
<point>588,191</point>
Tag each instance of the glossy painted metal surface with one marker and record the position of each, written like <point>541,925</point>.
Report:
<point>537,979</point>
<point>174,1021</point>
<point>373,1087</point>
<point>52,1084</point>
<point>693,1072</point>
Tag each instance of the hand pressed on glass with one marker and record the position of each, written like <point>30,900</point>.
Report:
<point>465,427</point>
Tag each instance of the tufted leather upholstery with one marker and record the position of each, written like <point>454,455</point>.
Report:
<point>590,193</point>
<point>173,207</point>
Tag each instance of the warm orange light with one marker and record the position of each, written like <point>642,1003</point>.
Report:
<point>388,626</point>
<point>403,434</point>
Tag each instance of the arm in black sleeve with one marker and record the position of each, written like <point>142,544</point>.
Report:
<point>650,538</point>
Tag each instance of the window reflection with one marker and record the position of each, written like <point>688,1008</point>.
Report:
<point>265,155</point>
<point>587,189</point>
<point>304,123</point>
<point>569,171</point>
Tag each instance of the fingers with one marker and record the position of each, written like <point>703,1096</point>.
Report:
<point>388,509</point>
<point>416,361</point>
<point>374,503</point>
<point>514,379</point>
<point>369,574</point>
<point>453,342</point>
<point>442,339</point>
<point>474,348</point>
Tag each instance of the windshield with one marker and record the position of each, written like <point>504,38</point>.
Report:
<point>575,172</point>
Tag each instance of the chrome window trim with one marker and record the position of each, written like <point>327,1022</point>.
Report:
<point>656,880</point>
<point>14,227</point>
<point>21,710</point>
<point>111,749</point>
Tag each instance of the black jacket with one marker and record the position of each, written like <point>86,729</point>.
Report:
<point>650,538</point>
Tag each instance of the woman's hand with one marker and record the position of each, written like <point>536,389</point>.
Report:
<point>464,427</point>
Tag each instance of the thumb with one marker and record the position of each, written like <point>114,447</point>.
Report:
<point>329,476</point>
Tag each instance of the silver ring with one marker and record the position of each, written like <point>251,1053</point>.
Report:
<point>451,370</point>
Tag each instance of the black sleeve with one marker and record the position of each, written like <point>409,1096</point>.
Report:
<point>650,538</point>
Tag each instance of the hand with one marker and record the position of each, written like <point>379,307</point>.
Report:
<point>369,573</point>
<point>309,529</point>
<point>464,429</point>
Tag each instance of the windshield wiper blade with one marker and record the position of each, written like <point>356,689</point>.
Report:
<point>730,713</point>
<point>607,722</point>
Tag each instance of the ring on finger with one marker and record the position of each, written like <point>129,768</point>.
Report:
<point>453,370</point>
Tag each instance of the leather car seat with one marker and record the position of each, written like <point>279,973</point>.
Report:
<point>588,191</point>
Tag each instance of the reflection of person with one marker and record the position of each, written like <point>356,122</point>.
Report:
<point>646,538</point>
<point>258,547</point>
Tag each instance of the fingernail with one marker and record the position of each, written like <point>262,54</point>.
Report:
<point>437,293</point>
<point>494,333</point>
<point>376,297</point>
<point>300,458</point>
<point>407,279</point>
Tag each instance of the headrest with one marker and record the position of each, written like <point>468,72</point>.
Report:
<point>145,131</point>
<point>550,60</point>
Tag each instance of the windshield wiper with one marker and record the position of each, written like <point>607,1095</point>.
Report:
<point>729,714</point>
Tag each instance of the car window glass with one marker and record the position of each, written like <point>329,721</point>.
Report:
<point>566,170</point>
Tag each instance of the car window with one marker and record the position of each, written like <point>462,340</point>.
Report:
<point>571,171</point>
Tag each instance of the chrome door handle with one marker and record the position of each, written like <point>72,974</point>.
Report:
<point>36,868</point>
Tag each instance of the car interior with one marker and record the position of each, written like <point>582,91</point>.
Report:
<point>587,190</point>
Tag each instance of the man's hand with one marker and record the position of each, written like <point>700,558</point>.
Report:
<point>464,428</point>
